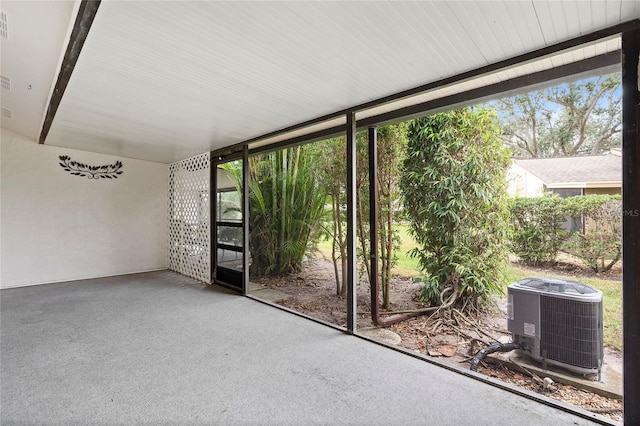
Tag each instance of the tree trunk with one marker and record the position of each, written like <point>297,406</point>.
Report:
<point>386,267</point>
<point>336,220</point>
<point>343,255</point>
<point>363,240</point>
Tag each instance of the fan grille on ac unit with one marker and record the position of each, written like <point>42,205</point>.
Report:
<point>571,331</point>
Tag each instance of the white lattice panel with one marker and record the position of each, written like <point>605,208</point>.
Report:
<point>189,224</point>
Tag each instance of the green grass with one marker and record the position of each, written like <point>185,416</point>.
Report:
<point>324,247</point>
<point>612,307</point>
<point>406,266</point>
<point>612,290</point>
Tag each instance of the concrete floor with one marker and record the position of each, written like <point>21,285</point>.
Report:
<point>161,348</point>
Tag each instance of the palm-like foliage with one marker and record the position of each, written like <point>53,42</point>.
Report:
<point>285,205</point>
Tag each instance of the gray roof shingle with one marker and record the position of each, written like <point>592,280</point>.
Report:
<point>596,168</point>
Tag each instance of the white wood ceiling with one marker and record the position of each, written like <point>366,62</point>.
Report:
<point>163,81</point>
<point>34,36</point>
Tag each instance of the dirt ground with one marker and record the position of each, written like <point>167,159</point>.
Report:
<point>313,292</point>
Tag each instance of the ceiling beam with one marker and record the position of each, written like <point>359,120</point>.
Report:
<point>488,69</point>
<point>578,69</point>
<point>591,66</point>
<point>306,138</point>
<point>84,19</point>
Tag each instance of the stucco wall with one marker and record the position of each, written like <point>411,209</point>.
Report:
<point>523,183</point>
<point>60,227</point>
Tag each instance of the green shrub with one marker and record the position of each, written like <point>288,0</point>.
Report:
<point>454,192</point>
<point>600,243</point>
<point>599,251</point>
<point>538,234</point>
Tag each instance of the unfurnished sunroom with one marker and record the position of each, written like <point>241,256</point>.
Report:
<point>117,119</point>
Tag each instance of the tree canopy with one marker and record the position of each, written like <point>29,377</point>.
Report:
<point>578,118</point>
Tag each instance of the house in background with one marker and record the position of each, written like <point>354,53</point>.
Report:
<point>567,176</point>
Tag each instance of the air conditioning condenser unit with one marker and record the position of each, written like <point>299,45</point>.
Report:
<point>557,322</point>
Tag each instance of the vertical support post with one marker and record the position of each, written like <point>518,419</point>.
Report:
<point>245,219</point>
<point>213,222</point>
<point>351,279</point>
<point>373,221</point>
<point>631,224</point>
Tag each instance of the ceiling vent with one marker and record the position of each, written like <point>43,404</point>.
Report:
<point>5,82</point>
<point>6,112</point>
<point>4,26</point>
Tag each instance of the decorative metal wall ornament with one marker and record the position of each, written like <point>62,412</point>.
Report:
<point>110,171</point>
